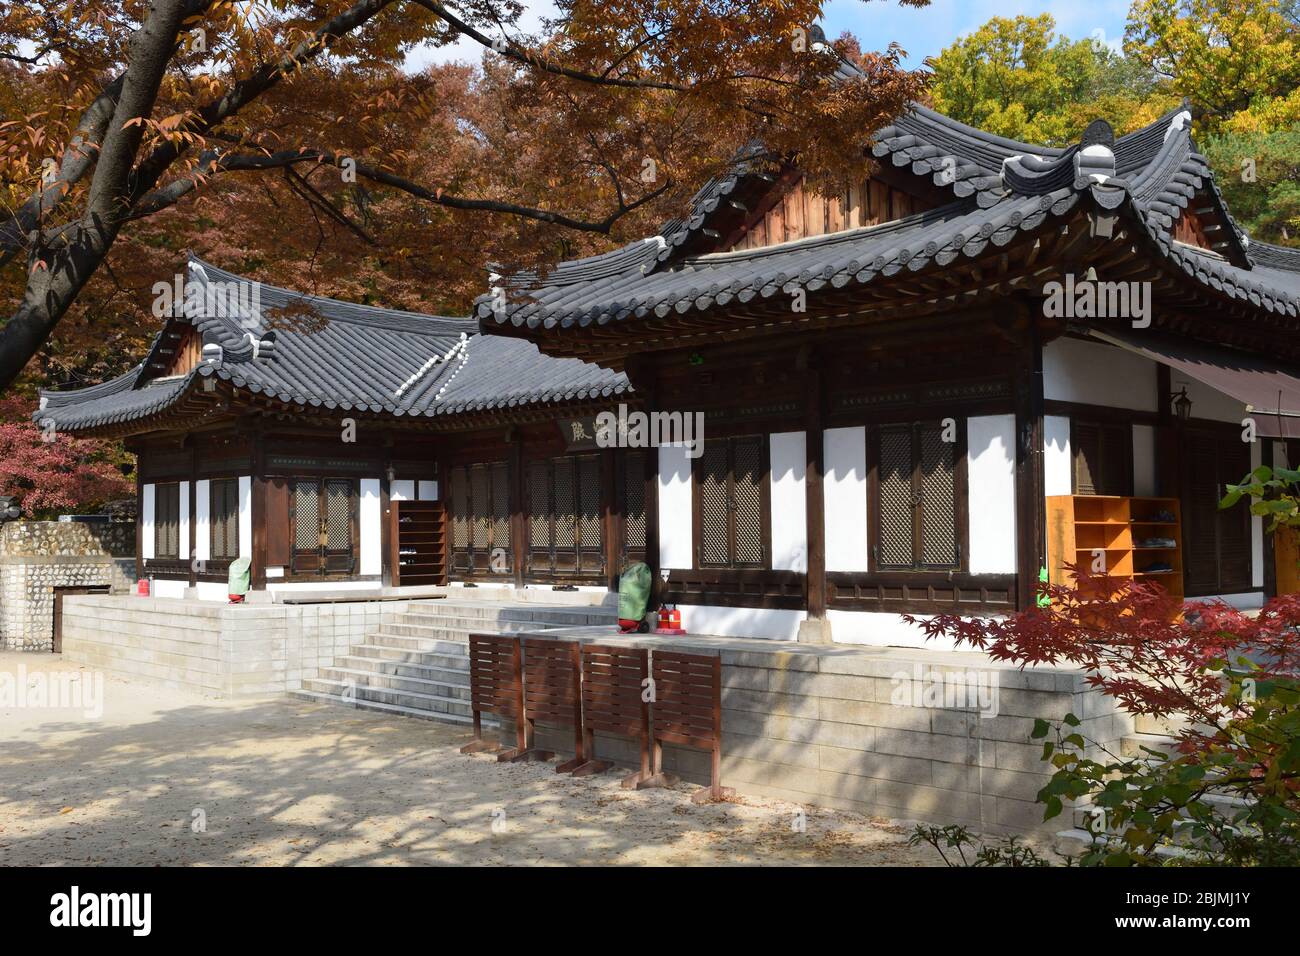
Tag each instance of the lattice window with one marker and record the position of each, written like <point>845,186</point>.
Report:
<point>715,509</point>
<point>916,514</point>
<point>338,515</point>
<point>324,526</point>
<point>459,509</point>
<point>167,520</point>
<point>589,516</point>
<point>565,515</point>
<point>479,492</point>
<point>480,516</point>
<point>223,518</point>
<point>306,515</point>
<point>564,500</point>
<point>731,495</point>
<point>500,505</point>
<point>539,506</point>
<point>634,518</point>
<point>747,501</point>
<point>896,510</point>
<point>938,499</point>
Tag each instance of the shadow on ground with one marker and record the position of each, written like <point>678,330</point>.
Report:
<point>287,782</point>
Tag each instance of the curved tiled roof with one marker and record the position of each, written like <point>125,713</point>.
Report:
<point>334,355</point>
<point>999,186</point>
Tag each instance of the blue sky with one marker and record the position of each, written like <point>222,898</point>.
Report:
<point>926,31</point>
<point>921,32</point>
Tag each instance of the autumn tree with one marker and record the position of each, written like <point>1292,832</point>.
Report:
<point>1016,77</point>
<point>131,111</point>
<point>1237,61</point>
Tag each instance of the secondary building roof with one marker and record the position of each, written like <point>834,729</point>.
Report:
<point>285,349</point>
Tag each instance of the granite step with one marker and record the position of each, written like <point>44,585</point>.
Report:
<point>394,710</point>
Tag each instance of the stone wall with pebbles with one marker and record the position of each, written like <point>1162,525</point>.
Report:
<point>36,557</point>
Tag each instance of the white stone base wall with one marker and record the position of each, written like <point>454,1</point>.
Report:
<point>824,727</point>
<point>208,648</point>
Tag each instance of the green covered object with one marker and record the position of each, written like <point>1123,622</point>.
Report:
<point>239,575</point>
<point>634,592</point>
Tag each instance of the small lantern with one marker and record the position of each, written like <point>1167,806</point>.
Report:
<point>1182,405</point>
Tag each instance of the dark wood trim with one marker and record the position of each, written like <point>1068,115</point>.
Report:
<point>815,499</point>
<point>611,518</point>
<point>1105,414</point>
<point>139,522</point>
<point>1267,457</point>
<point>257,507</point>
<point>518,519</point>
<point>921,592</point>
<point>651,479</point>
<point>193,507</point>
<point>737,587</point>
<point>1031,517</point>
<point>387,560</point>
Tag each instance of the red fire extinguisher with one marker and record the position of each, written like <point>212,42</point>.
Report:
<point>142,587</point>
<point>670,620</point>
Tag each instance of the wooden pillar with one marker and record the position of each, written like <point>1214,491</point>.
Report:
<point>387,534</point>
<point>1168,484</point>
<point>815,448</point>
<point>257,570</point>
<point>193,506</point>
<point>139,511</point>
<point>518,526</point>
<point>1030,483</point>
<point>611,517</point>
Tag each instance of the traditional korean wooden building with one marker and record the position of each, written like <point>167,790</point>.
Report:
<point>898,383</point>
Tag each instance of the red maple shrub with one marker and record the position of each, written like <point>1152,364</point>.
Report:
<point>1137,648</point>
<point>1229,793</point>
<point>62,475</point>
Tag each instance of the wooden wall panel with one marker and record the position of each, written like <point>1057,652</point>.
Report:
<point>801,213</point>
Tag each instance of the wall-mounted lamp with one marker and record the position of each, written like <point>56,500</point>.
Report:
<point>1182,405</point>
<point>390,473</point>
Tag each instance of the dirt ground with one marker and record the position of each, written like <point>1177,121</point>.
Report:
<point>168,778</point>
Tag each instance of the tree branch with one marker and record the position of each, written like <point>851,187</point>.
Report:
<point>213,162</point>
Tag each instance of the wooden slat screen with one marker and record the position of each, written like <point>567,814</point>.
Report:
<point>167,516</point>
<point>223,518</point>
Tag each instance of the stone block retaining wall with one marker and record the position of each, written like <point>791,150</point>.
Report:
<point>209,648</point>
<point>824,726</point>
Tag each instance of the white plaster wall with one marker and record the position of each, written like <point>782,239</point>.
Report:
<point>428,491</point>
<point>880,629</point>
<point>844,488</point>
<point>402,489</point>
<point>991,477</point>
<point>767,624</point>
<point>787,455</point>
<point>168,589</point>
<point>1144,460</point>
<point>202,521</point>
<point>675,508</point>
<point>212,591</point>
<point>146,521</point>
<point>183,542</point>
<point>371,531</point>
<point>1207,403</point>
<point>245,517</point>
<point>1098,374</point>
<point>1058,471</point>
